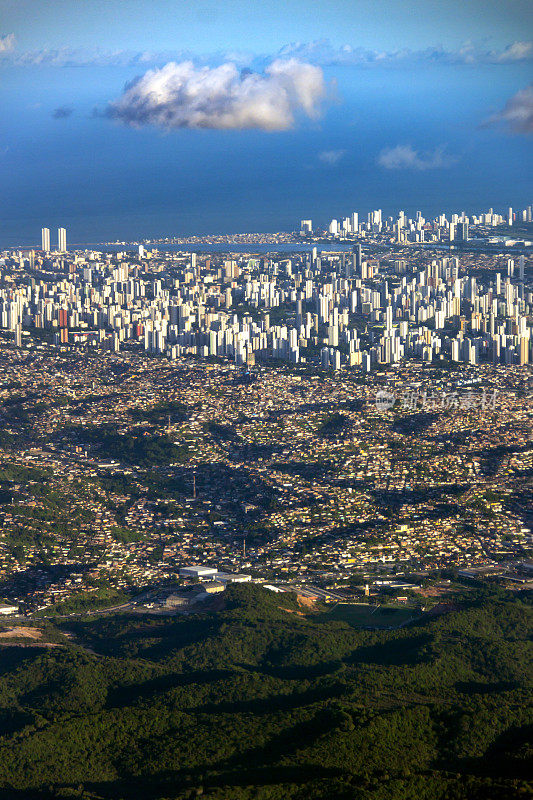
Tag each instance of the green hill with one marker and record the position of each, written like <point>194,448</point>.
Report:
<point>260,701</point>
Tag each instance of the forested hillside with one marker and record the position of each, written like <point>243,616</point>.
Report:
<point>261,701</point>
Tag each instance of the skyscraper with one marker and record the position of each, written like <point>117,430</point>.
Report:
<point>461,231</point>
<point>357,259</point>
<point>62,240</point>
<point>45,239</point>
<point>524,350</point>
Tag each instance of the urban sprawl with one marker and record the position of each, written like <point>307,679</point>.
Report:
<point>349,419</point>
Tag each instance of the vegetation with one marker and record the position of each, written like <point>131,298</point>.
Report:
<point>86,601</point>
<point>261,701</point>
<point>160,413</point>
<point>126,535</point>
<point>363,615</point>
<point>221,433</point>
<point>142,449</point>
<point>334,424</point>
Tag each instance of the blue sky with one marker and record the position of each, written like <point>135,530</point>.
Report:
<point>262,26</point>
<point>391,104</point>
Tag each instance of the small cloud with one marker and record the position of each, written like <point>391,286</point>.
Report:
<point>403,156</point>
<point>331,157</point>
<point>7,43</point>
<point>323,52</point>
<point>517,112</point>
<point>225,98</point>
<point>62,112</point>
<point>518,51</point>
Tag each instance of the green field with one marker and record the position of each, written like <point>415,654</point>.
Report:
<point>363,615</point>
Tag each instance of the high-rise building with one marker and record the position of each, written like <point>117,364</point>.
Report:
<point>524,350</point>
<point>333,336</point>
<point>521,266</point>
<point>462,231</point>
<point>62,240</point>
<point>45,239</point>
<point>357,259</point>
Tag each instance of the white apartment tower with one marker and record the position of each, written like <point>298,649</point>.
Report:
<point>62,240</point>
<point>45,239</point>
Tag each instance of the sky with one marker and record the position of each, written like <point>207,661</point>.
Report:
<point>125,119</point>
<point>261,26</point>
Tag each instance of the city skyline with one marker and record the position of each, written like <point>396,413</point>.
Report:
<point>329,298</point>
<point>355,223</point>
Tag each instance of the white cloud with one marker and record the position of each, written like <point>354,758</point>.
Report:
<point>7,43</point>
<point>331,157</point>
<point>518,51</point>
<point>403,156</point>
<point>89,57</point>
<point>517,112</point>
<point>324,53</point>
<point>185,96</point>
<point>320,53</point>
